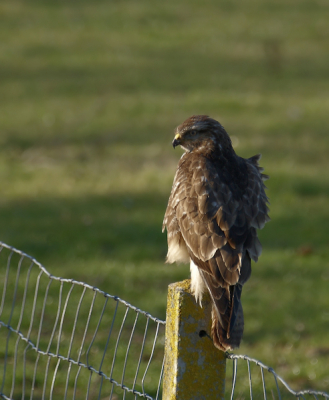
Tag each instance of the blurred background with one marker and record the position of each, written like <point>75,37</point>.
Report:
<point>90,95</point>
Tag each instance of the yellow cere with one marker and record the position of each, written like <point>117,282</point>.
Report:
<point>177,136</point>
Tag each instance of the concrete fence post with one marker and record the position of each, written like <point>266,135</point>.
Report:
<point>194,367</point>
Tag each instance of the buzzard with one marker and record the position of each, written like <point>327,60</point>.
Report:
<point>216,205</point>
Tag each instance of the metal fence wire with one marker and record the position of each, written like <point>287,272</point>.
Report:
<point>64,339</point>
<point>255,380</point>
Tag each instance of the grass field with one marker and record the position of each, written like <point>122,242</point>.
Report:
<point>90,95</point>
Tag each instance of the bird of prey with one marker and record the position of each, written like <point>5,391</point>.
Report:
<point>216,205</point>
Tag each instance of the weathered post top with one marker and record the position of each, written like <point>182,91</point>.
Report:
<point>194,367</point>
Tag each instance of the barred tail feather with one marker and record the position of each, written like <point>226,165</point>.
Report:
<point>223,338</point>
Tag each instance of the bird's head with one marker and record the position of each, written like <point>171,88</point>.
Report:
<point>201,132</point>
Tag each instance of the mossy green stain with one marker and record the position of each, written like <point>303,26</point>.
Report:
<point>194,368</point>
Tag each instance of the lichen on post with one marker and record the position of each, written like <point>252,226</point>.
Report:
<point>194,368</point>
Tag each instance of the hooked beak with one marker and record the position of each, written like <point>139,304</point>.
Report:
<point>177,140</point>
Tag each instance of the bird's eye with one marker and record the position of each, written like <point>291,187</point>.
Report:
<point>193,132</point>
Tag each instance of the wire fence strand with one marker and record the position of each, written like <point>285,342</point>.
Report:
<point>271,385</point>
<point>61,338</point>
<point>65,339</point>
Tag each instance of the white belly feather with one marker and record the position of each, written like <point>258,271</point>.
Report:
<point>197,284</point>
<point>178,253</point>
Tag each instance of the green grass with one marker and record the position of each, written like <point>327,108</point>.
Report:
<point>90,95</point>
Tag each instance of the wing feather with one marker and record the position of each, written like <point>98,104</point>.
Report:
<point>216,221</point>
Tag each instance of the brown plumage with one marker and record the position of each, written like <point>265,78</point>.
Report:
<point>216,204</point>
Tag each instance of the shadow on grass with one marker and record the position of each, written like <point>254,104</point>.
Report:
<point>126,227</point>
<point>115,243</point>
<point>122,227</point>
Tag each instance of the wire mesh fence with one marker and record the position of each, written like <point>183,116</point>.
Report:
<point>250,378</point>
<point>64,339</point>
